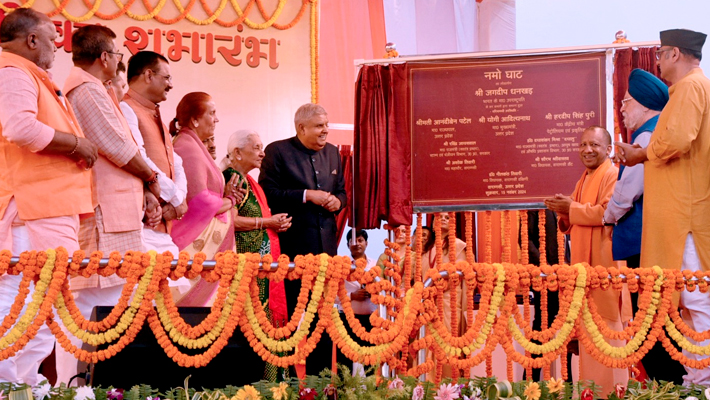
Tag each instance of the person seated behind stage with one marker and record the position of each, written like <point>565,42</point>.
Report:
<point>117,221</point>
<point>207,226</point>
<point>149,82</point>
<point>427,240</point>
<point>400,238</point>
<point>580,215</point>
<point>360,301</point>
<point>255,229</point>
<point>211,147</point>
<point>44,153</point>
<point>118,83</point>
<point>430,261</point>
<point>359,296</point>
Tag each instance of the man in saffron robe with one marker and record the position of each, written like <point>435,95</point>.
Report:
<point>581,216</point>
<point>676,217</point>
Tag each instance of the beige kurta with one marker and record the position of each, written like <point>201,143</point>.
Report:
<point>677,177</point>
<point>591,243</point>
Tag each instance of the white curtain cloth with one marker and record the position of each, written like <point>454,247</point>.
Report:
<point>450,26</point>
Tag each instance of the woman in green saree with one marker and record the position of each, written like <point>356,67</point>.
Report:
<point>255,228</point>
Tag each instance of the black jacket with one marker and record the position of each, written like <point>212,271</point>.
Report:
<point>287,170</point>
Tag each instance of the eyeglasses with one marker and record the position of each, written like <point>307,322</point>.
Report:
<point>167,77</point>
<point>658,52</point>
<point>624,101</point>
<point>118,55</point>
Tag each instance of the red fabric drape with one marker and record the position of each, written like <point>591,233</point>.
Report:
<point>346,160</point>
<point>625,61</point>
<point>382,147</point>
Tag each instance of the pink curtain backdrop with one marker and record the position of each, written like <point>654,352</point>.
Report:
<point>349,30</point>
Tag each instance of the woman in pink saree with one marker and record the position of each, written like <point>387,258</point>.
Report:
<point>207,226</point>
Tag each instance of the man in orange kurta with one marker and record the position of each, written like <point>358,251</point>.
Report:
<point>581,215</point>
<point>45,182</point>
<point>676,217</point>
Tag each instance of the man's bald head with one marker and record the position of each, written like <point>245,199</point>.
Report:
<point>20,23</point>
<point>601,133</point>
<point>31,35</point>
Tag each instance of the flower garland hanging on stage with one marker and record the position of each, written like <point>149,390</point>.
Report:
<point>572,310</point>
<point>497,321</point>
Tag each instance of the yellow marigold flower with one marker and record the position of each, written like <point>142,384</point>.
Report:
<point>279,392</point>
<point>555,385</point>
<point>248,392</point>
<point>532,391</point>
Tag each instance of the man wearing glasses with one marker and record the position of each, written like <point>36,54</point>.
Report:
<point>123,182</point>
<point>676,217</point>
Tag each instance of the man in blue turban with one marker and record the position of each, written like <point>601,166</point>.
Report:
<point>641,106</point>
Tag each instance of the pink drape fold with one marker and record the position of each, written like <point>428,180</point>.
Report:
<point>205,185</point>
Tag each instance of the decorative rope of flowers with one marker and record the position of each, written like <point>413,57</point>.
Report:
<point>153,12</point>
<point>202,337</point>
<point>278,346</point>
<point>23,292</point>
<point>130,268</point>
<point>566,328</point>
<point>566,290</point>
<point>146,293</point>
<point>380,352</point>
<point>168,311</point>
<point>225,325</point>
<point>46,289</point>
<point>315,51</point>
<point>593,324</point>
<point>308,274</point>
<point>72,318</point>
<point>497,321</point>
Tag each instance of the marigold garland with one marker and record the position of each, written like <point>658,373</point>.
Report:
<point>565,329</point>
<point>270,20</point>
<point>497,321</point>
<point>204,334</point>
<point>32,314</point>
